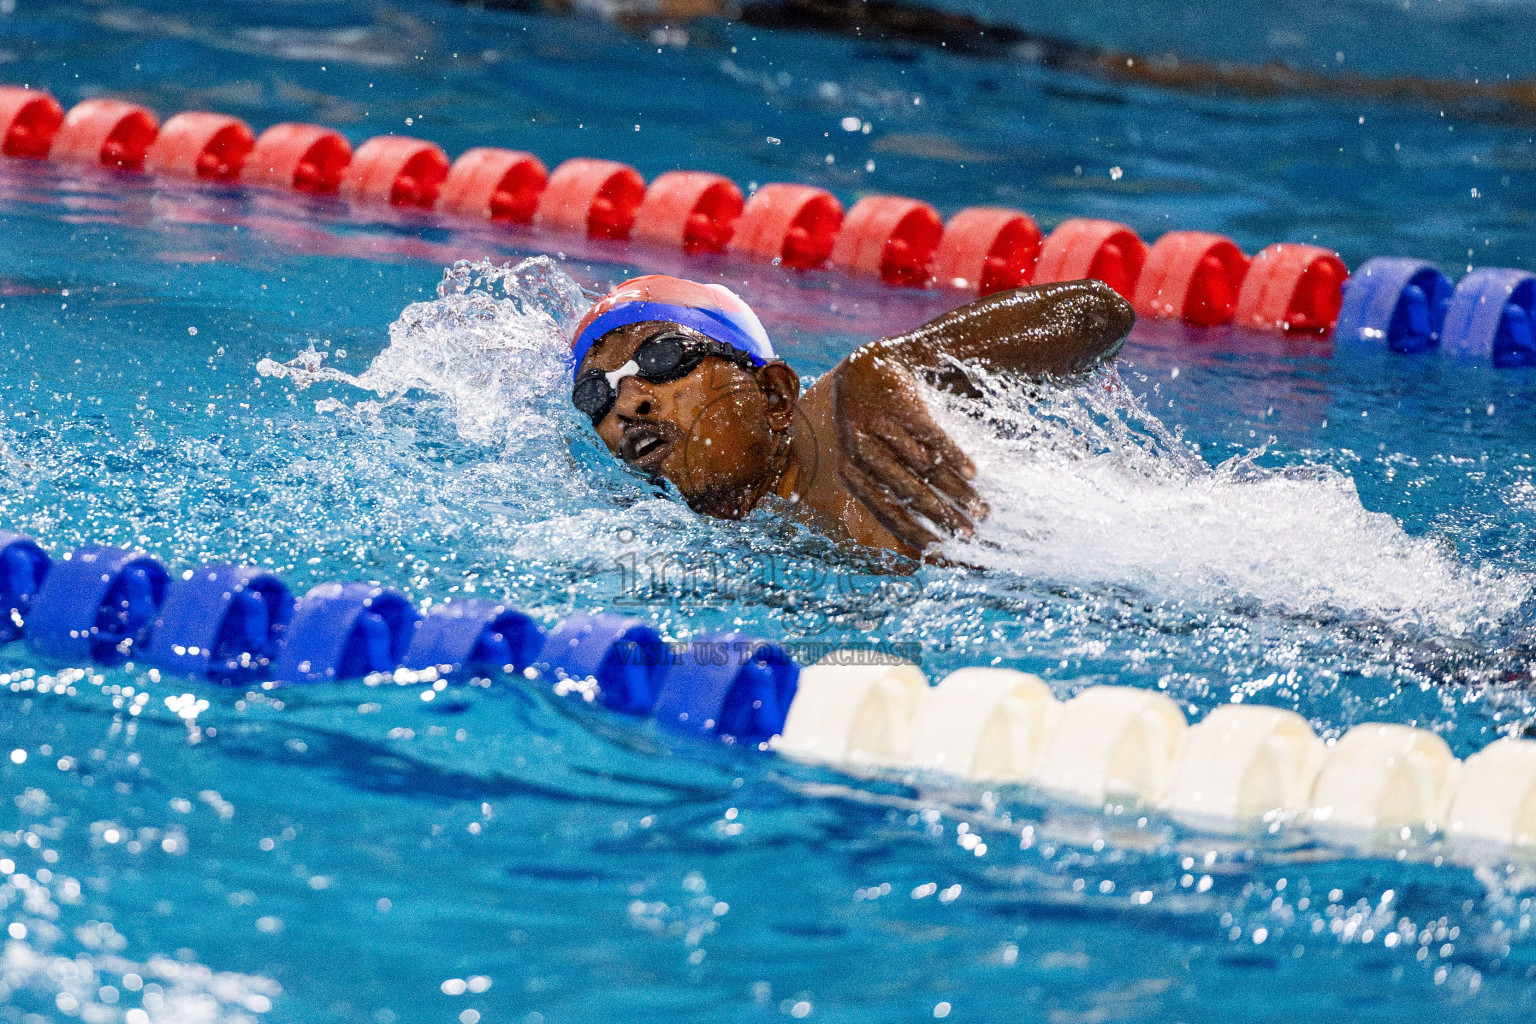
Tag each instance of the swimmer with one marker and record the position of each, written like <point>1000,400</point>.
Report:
<point>682,384</point>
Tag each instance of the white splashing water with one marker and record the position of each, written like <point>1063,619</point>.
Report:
<point>1088,488</point>
<point>499,358</point>
<point>491,352</point>
<point>493,343</point>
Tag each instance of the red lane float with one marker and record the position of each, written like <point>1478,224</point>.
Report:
<point>889,237</point>
<point>987,248</point>
<point>1199,277</point>
<point>397,170</point>
<point>598,198</point>
<point>1192,276</point>
<point>693,209</point>
<point>28,121</point>
<point>497,184</point>
<point>299,158</point>
<point>105,133</point>
<point>1101,249</point>
<point>1292,288</point>
<point>199,144</point>
<point>796,225</point>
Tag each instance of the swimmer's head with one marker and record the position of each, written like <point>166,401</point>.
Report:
<point>682,383</point>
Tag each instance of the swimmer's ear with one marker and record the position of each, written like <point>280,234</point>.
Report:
<point>782,386</point>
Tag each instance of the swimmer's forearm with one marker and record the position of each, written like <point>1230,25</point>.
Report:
<point>1053,329</point>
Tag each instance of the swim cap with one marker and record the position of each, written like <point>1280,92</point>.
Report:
<point>711,309</point>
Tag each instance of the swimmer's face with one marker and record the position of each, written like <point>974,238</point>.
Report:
<point>715,433</point>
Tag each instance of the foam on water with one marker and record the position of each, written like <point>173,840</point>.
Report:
<point>1088,488</point>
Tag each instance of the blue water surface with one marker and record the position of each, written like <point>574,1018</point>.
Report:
<point>212,374</point>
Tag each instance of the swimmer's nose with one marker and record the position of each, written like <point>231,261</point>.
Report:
<point>636,400</point>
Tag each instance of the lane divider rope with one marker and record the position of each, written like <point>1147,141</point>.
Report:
<point>1201,278</point>
<point>1108,745</point>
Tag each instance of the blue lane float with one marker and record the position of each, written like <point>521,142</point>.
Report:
<point>239,624</point>
<point>102,602</point>
<point>97,603</point>
<point>22,567</point>
<point>471,635</point>
<point>625,658</point>
<point>1400,301</point>
<point>1491,316</point>
<point>224,623</point>
<point>345,631</point>
<point>730,686</point>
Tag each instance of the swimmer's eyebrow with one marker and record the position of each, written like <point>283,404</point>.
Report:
<point>670,327</point>
<point>597,343</point>
<point>618,332</point>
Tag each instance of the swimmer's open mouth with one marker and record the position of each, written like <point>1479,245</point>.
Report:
<point>646,445</point>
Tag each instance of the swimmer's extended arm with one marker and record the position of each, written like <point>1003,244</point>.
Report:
<point>1056,329</point>
<point>891,455</point>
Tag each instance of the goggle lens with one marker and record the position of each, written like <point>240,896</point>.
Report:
<point>661,357</point>
<point>593,397</point>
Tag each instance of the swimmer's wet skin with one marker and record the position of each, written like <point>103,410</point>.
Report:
<point>682,384</point>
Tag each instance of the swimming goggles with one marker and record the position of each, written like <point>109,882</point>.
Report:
<point>661,358</point>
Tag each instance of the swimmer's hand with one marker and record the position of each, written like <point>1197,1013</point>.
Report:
<point>900,482</point>
<point>894,458</point>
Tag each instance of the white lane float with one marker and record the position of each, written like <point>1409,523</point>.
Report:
<point>1386,776</point>
<point>1244,761</point>
<point>855,714</point>
<point>985,723</point>
<point>1114,742</point>
<point>1497,796</point>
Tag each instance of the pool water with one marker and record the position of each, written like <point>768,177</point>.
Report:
<point>219,375</point>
